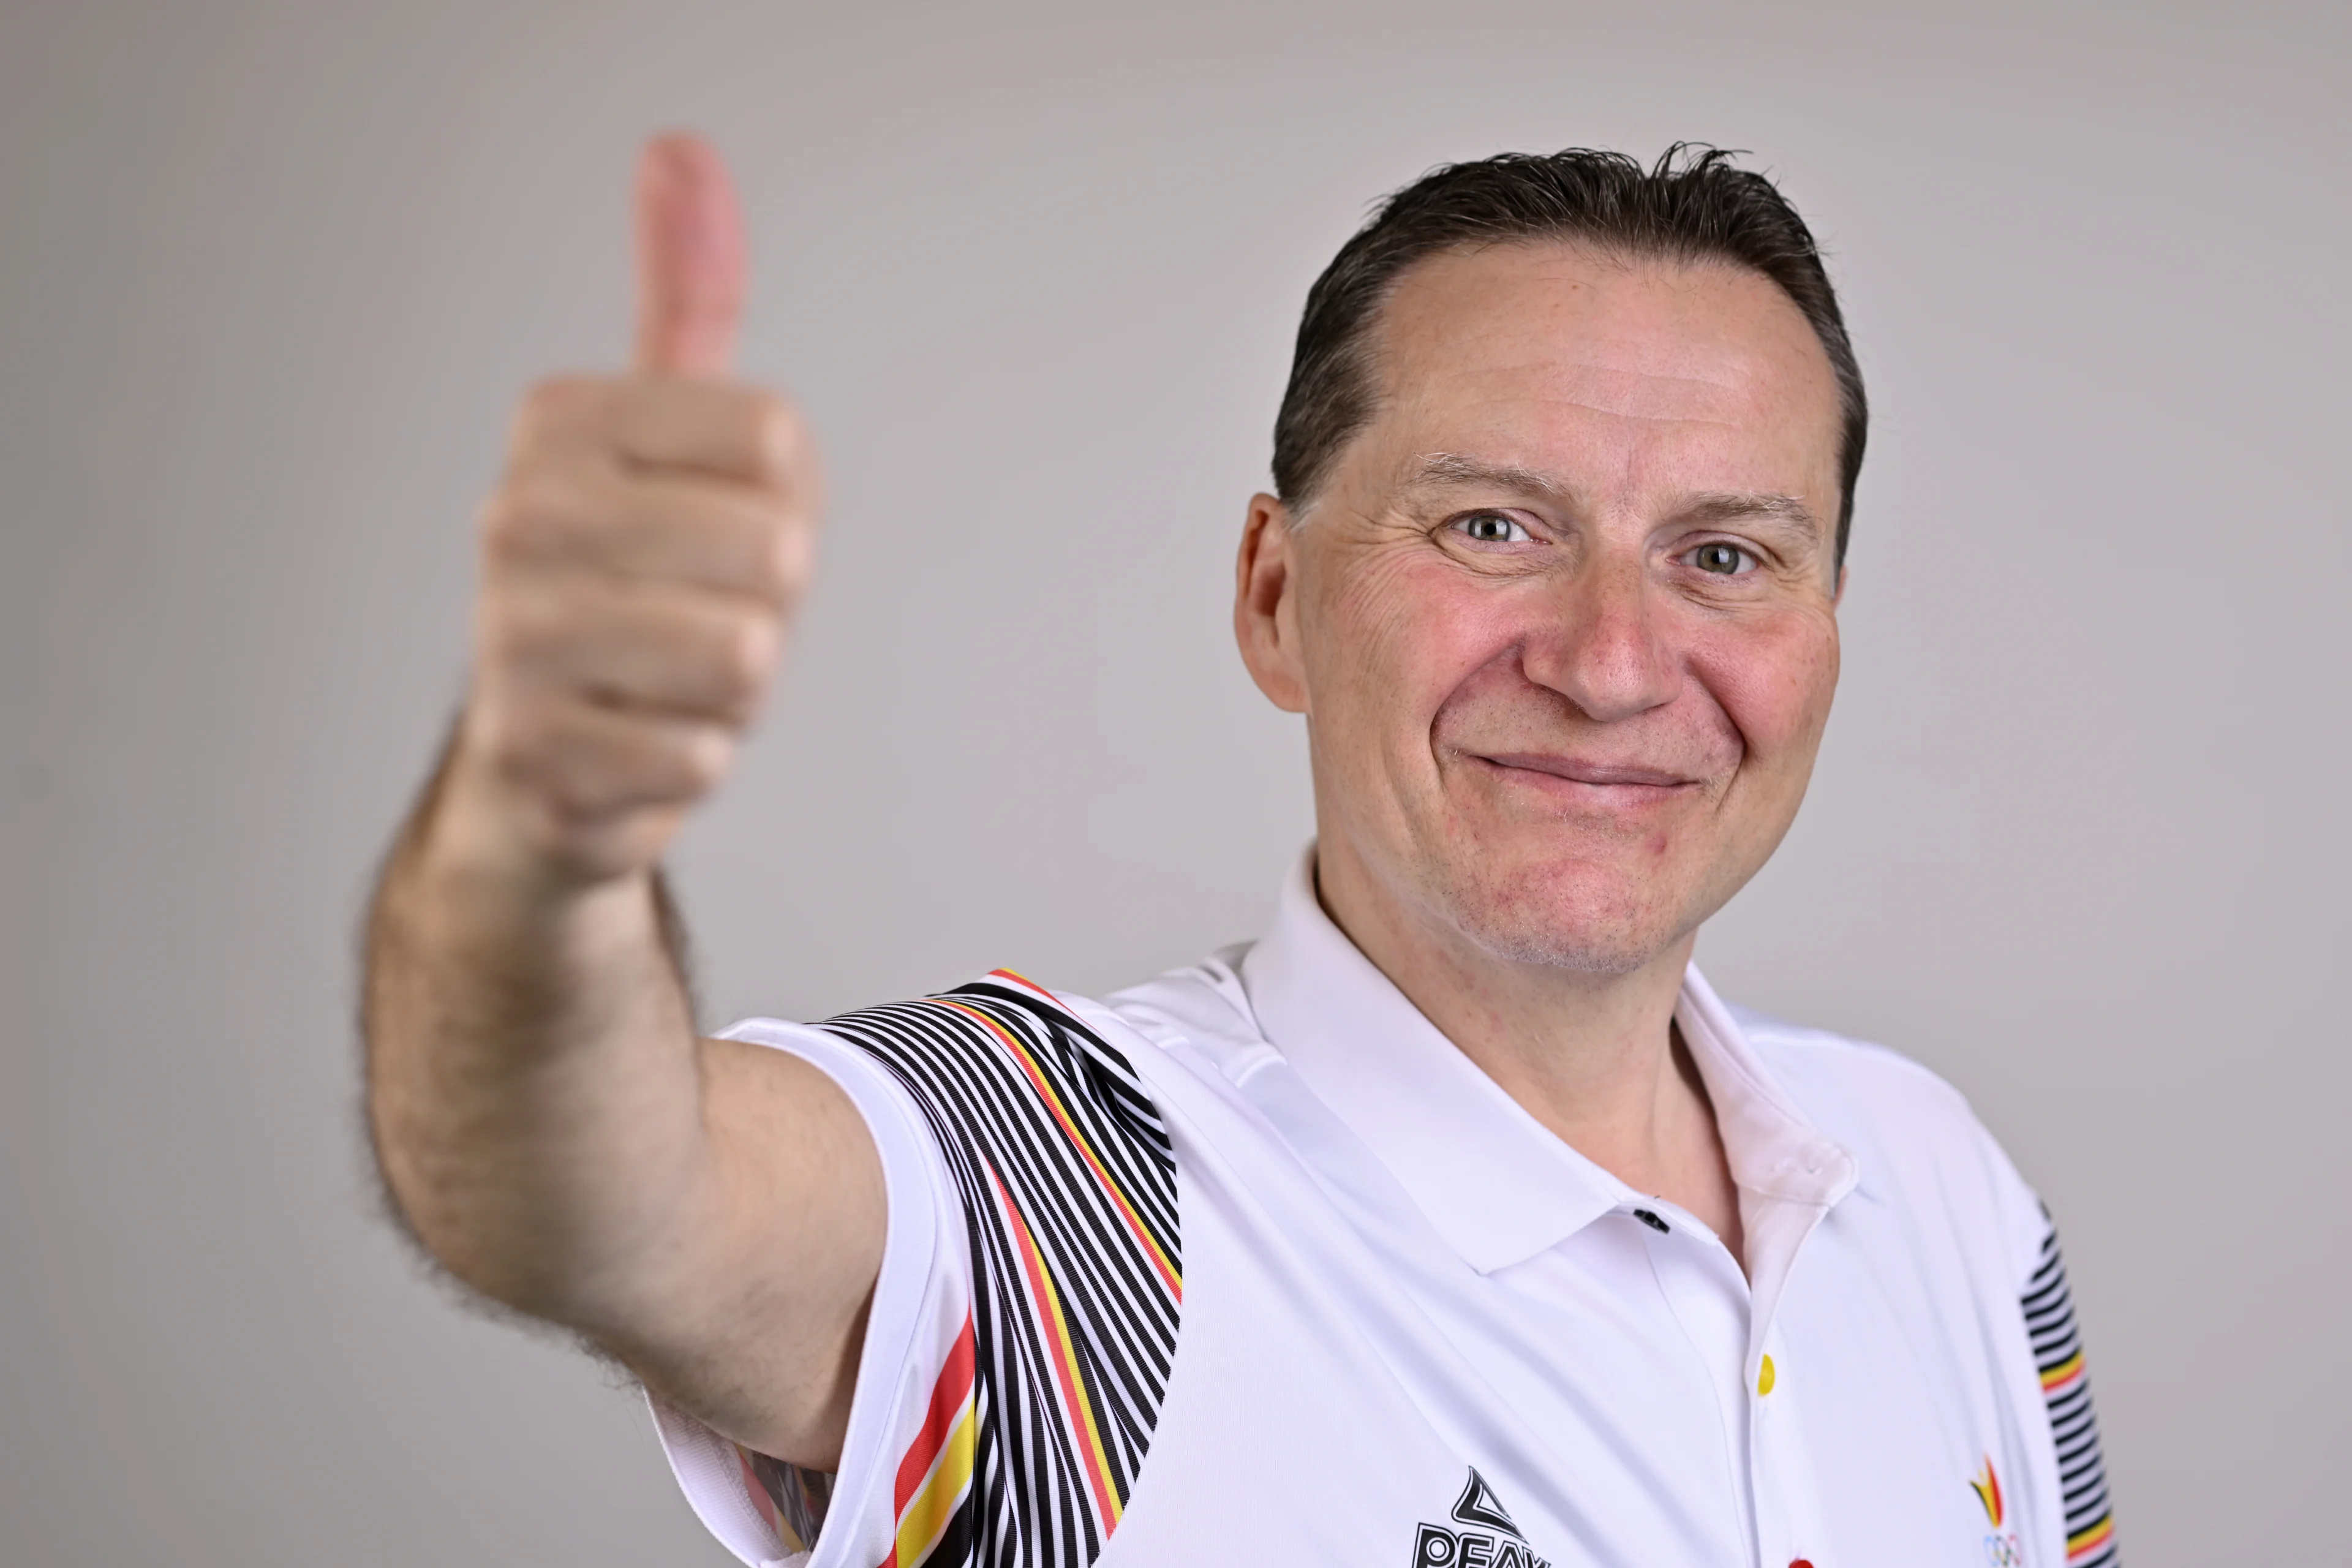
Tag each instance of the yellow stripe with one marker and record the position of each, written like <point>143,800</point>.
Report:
<point>1078,1139</point>
<point>2063,1371</point>
<point>2082,1540</point>
<point>1085,1406</point>
<point>1117,1194</point>
<point>928,1512</point>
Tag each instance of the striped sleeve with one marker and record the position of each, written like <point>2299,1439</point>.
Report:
<point>2058,1354</point>
<point>1042,1407</point>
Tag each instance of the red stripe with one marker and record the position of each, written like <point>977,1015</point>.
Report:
<point>759,1493</point>
<point>2090,1539</point>
<point>1058,1352</point>
<point>1077,1140</point>
<point>948,1397</point>
<point>1028,985</point>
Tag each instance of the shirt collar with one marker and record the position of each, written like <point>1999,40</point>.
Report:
<point>1497,1184</point>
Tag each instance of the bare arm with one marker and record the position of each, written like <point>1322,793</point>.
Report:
<point>546,1118</point>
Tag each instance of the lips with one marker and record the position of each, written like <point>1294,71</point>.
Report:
<point>1584,771</point>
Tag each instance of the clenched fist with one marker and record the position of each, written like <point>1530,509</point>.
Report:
<point>641,560</point>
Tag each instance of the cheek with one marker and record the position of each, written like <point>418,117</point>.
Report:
<point>1395,637</point>
<point>1774,681</point>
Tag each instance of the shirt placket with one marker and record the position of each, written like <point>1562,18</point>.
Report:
<point>1708,1296</point>
<point>1759,1394</point>
<point>1791,1527</point>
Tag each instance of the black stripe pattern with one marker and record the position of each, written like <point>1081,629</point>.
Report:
<point>1035,1501</point>
<point>2082,1469</point>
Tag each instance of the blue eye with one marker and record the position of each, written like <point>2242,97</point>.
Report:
<point>1723,560</point>
<point>1491,528</point>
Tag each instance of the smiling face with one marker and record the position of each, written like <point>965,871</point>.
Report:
<point>1562,616</point>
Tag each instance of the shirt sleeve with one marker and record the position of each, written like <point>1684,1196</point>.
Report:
<point>918,1343</point>
<point>2049,1309</point>
<point>1025,1321</point>
<point>2077,1490</point>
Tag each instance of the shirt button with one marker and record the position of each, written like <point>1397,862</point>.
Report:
<point>1653,1221</point>
<point>1764,1380</point>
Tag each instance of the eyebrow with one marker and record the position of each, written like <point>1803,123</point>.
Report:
<point>1711,507</point>
<point>1730,508</point>
<point>1452,468</point>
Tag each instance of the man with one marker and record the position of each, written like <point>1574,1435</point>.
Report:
<point>1455,1222</point>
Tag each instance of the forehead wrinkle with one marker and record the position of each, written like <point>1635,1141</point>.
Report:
<point>1642,419</point>
<point>1620,390</point>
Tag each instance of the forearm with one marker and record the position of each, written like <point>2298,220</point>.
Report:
<point>547,1121</point>
<point>534,1092</point>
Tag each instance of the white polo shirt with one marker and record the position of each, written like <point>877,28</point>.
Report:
<point>1250,1265</point>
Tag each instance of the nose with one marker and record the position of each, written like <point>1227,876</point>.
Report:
<point>1600,643</point>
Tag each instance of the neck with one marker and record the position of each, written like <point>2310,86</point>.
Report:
<point>1592,1057</point>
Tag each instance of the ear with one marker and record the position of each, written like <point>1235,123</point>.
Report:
<point>1266,604</point>
<point>1838,598</point>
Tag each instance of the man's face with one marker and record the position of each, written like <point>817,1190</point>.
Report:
<point>1563,618</point>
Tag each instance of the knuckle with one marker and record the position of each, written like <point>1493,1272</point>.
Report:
<point>560,403</point>
<point>792,554</point>
<point>494,635</point>
<point>595,772</point>
<point>513,743</point>
<point>768,568</point>
<point>561,415</point>
<point>493,521</point>
<point>566,831</point>
<point>777,432</point>
<point>529,518</point>
<point>515,627</point>
<point>545,634</point>
<point>772,415</point>
<point>747,647</point>
<point>578,793</point>
<point>703,755</point>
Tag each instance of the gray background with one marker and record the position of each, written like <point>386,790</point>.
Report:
<point>270,277</point>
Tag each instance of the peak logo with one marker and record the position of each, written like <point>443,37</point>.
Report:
<point>1481,1535</point>
<point>2002,1547</point>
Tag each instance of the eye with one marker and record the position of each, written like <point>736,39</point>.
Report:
<point>1722,559</point>
<point>1491,528</point>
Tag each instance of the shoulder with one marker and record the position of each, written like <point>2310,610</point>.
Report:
<point>1004,1061</point>
<point>1200,1012</point>
<point>1920,1144</point>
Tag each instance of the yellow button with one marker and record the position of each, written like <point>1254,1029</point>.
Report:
<point>1764,1377</point>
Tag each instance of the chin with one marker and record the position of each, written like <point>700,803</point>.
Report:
<point>1570,918</point>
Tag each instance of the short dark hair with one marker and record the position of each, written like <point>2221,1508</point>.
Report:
<point>1694,204</point>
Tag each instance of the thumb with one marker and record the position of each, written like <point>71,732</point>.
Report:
<point>690,261</point>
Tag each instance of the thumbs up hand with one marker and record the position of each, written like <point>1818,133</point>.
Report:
<point>639,564</point>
